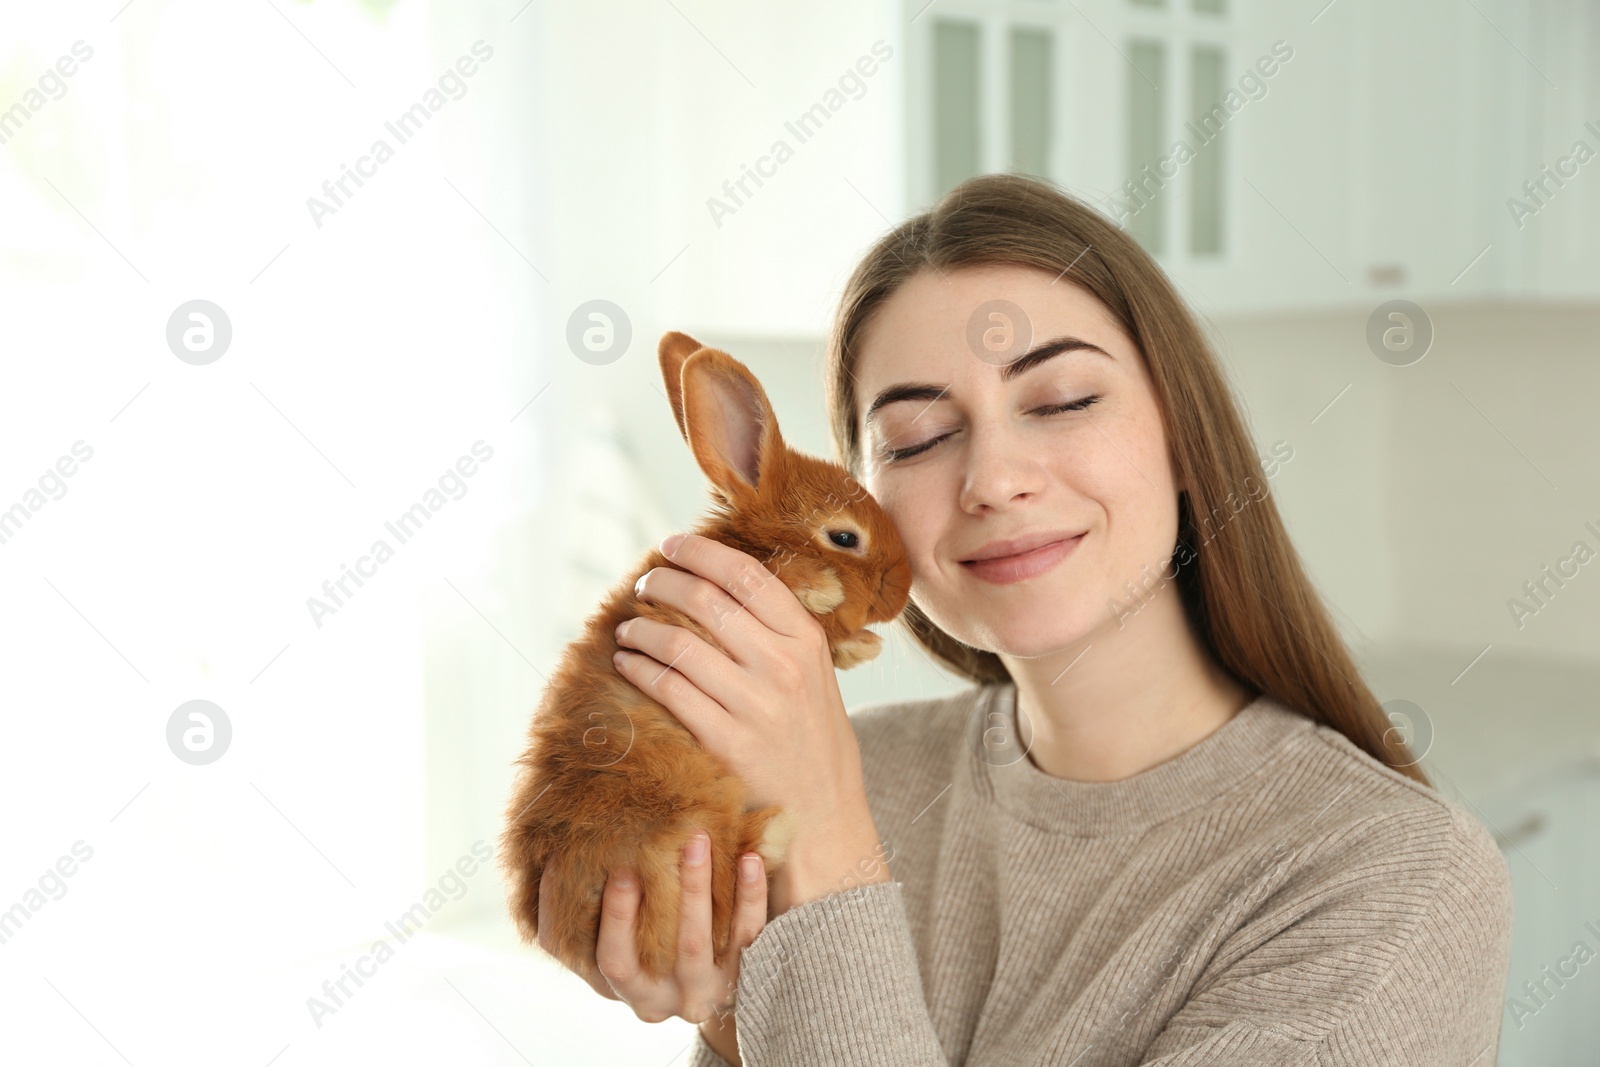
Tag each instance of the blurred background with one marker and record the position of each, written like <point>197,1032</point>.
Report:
<point>330,402</point>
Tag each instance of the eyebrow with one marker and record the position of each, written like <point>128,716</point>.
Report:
<point>1022,364</point>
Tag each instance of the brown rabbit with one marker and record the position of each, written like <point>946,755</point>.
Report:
<point>610,777</point>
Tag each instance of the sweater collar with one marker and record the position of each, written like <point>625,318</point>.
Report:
<point>1204,771</point>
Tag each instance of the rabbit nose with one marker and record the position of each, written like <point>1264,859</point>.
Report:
<point>902,582</point>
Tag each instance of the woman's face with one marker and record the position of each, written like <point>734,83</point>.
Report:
<point>1000,465</point>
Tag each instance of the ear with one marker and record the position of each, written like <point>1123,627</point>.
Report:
<point>731,428</point>
<point>674,350</point>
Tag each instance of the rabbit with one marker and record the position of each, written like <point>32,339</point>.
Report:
<point>610,778</point>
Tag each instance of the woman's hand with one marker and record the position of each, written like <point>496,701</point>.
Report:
<point>699,990</point>
<point>769,706</point>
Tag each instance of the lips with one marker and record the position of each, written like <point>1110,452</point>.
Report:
<point>1019,545</point>
<point>1021,566</point>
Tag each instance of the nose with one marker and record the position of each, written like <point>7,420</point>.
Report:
<point>894,589</point>
<point>999,468</point>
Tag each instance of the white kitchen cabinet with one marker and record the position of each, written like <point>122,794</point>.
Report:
<point>1351,166</point>
<point>1551,840</point>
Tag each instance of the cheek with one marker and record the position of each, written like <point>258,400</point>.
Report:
<point>914,524</point>
<point>1130,474</point>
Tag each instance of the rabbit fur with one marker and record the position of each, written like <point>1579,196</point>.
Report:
<point>610,778</point>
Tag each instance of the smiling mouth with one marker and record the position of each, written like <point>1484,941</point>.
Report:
<point>1021,546</point>
<point>1008,570</point>
<point>1017,555</point>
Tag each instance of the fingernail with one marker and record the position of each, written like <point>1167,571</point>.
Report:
<point>623,880</point>
<point>750,867</point>
<point>670,543</point>
<point>695,853</point>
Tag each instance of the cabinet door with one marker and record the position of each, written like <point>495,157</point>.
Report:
<point>1552,846</point>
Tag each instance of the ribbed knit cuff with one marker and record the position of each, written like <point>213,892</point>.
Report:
<point>701,1054</point>
<point>835,981</point>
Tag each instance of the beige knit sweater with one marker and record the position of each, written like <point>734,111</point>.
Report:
<point>1272,895</point>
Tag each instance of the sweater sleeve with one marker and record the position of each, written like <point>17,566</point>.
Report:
<point>835,981</point>
<point>702,1055</point>
<point>1408,975</point>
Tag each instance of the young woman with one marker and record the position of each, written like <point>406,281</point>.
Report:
<point>1168,824</point>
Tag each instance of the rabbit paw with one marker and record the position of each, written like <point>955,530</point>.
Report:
<point>856,650</point>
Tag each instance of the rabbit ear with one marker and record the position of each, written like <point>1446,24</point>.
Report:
<point>731,428</point>
<point>674,351</point>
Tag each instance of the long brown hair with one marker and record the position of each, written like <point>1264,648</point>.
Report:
<point>1243,586</point>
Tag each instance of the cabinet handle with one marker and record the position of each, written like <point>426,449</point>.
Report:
<point>1523,832</point>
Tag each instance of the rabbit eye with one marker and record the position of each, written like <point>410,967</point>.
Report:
<point>844,538</point>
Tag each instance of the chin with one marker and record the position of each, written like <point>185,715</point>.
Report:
<point>1035,645</point>
<point>1025,633</point>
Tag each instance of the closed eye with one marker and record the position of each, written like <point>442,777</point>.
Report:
<point>894,455</point>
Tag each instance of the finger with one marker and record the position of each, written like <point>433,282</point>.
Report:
<point>665,657</point>
<point>591,973</point>
<point>749,919</point>
<point>588,972</point>
<point>699,979</point>
<point>750,581</point>
<point>703,600</point>
<point>616,955</point>
<point>750,911</point>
